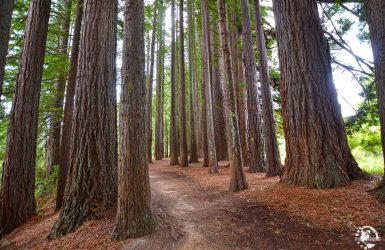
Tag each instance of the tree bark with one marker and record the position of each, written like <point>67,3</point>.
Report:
<point>134,217</point>
<point>238,180</point>
<point>317,151</point>
<point>65,141</point>
<point>209,125</point>
<point>6,8</point>
<point>205,78</point>
<point>273,159</point>
<point>255,140</point>
<point>18,177</point>
<point>92,181</point>
<point>149,87</point>
<point>53,144</point>
<point>183,162</point>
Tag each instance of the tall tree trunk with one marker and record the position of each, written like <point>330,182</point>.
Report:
<point>6,8</point>
<point>134,217</point>
<point>173,116</point>
<point>53,145</point>
<point>92,181</point>
<point>255,140</point>
<point>182,94</point>
<point>208,126</point>
<point>375,12</point>
<point>193,136</point>
<point>205,80</point>
<point>238,180</point>
<point>149,86</point>
<point>18,177</point>
<point>273,159</point>
<point>317,151</point>
<point>65,141</point>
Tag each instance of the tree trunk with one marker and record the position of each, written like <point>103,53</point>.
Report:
<point>65,141</point>
<point>6,8</point>
<point>18,177</point>
<point>134,217</point>
<point>317,152</point>
<point>255,140</point>
<point>273,159</point>
<point>173,116</point>
<point>238,180</point>
<point>53,145</point>
<point>205,80</point>
<point>182,94</point>
<point>375,12</point>
<point>92,181</point>
<point>193,138</point>
<point>149,87</point>
<point>209,125</point>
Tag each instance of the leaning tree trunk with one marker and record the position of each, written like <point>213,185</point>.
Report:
<point>273,159</point>
<point>375,11</point>
<point>92,181</point>
<point>6,8</point>
<point>193,138</point>
<point>65,141</point>
<point>255,140</point>
<point>182,93</point>
<point>18,177</point>
<point>173,116</point>
<point>238,180</point>
<point>207,86</point>
<point>149,87</point>
<point>53,144</point>
<point>317,151</point>
<point>134,217</point>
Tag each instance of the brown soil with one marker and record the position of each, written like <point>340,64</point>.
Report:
<point>195,211</point>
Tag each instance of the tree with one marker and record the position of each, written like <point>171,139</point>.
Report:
<point>92,180</point>
<point>149,87</point>
<point>183,162</point>
<point>65,141</point>
<point>18,181</point>
<point>173,117</point>
<point>134,216</point>
<point>273,160</point>
<point>6,8</point>
<point>208,120</point>
<point>53,143</point>
<point>238,180</point>
<point>255,140</point>
<point>375,11</point>
<point>317,152</point>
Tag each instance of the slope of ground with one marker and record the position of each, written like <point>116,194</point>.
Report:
<point>195,211</point>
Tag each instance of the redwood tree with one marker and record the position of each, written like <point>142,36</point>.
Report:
<point>18,180</point>
<point>92,180</point>
<point>134,217</point>
<point>317,151</point>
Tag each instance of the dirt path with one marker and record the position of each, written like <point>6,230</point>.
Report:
<point>192,215</point>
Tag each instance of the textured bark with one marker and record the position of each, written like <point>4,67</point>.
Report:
<point>255,140</point>
<point>209,125</point>
<point>53,144</point>
<point>183,162</point>
<point>173,116</point>
<point>193,138</point>
<point>204,136</point>
<point>65,141</point>
<point>149,87</point>
<point>317,152</point>
<point>134,216</point>
<point>238,180</point>
<point>375,12</point>
<point>92,180</point>
<point>6,8</point>
<point>18,179</point>
<point>273,160</point>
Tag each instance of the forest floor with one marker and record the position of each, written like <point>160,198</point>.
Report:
<point>195,211</point>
